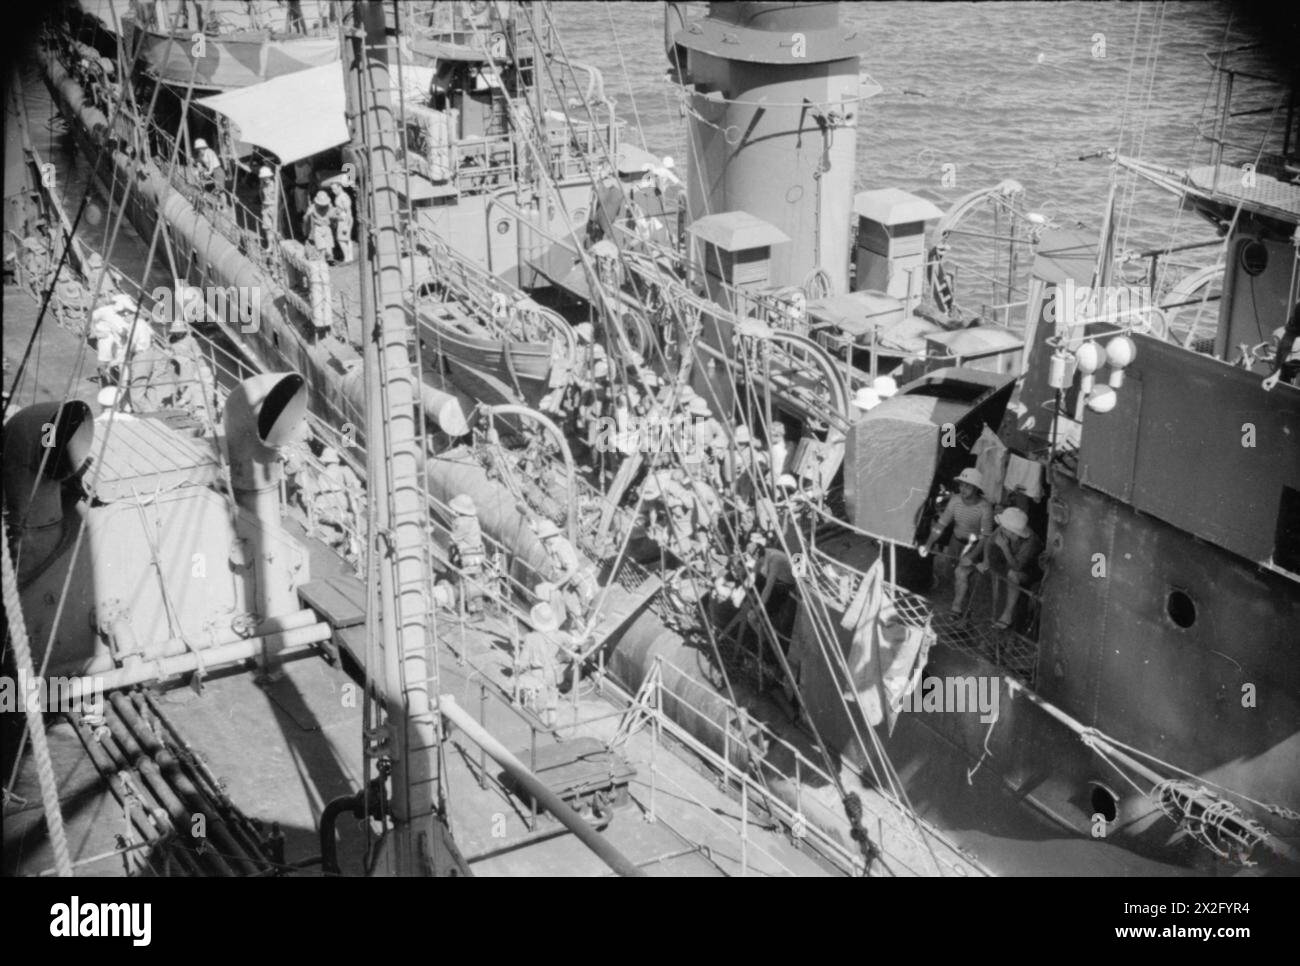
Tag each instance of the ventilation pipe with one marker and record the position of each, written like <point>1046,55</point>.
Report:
<point>262,414</point>
<point>65,432</point>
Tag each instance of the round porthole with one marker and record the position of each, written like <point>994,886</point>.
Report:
<point>1253,257</point>
<point>1103,802</point>
<point>1181,608</point>
<point>503,226</point>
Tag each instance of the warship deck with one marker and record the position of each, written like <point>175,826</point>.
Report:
<point>284,750</point>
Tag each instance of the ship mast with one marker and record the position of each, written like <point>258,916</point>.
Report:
<point>408,672</point>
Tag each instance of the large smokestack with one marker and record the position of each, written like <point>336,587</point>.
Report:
<point>773,126</point>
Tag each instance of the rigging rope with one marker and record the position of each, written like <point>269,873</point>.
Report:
<point>98,464</point>
<point>35,716</point>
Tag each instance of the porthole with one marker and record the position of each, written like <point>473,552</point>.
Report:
<point>1102,801</point>
<point>1253,257</point>
<point>1181,608</point>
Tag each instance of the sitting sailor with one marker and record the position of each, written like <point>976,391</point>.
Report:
<point>572,576</point>
<point>1012,553</point>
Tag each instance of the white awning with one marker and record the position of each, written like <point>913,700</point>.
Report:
<point>293,116</point>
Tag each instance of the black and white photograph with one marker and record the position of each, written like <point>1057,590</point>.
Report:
<point>586,439</point>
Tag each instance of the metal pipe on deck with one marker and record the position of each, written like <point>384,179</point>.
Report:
<point>151,821</point>
<point>103,662</point>
<point>552,802</point>
<point>283,644</point>
<point>243,860</point>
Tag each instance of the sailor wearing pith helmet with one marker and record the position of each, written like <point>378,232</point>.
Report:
<point>268,195</point>
<point>570,572</point>
<point>536,679</point>
<point>1013,552</point>
<point>317,226</point>
<point>738,465</point>
<point>971,517</point>
<point>343,220</point>
<point>469,552</point>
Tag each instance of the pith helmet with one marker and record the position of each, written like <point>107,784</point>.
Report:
<point>322,198</point>
<point>742,434</point>
<point>543,618</point>
<point>200,143</point>
<point>329,455</point>
<point>866,399</point>
<point>264,172</point>
<point>463,505</point>
<point>700,408</point>
<point>1015,520</point>
<point>973,477</point>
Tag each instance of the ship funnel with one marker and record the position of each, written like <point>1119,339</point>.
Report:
<point>59,435</point>
<point>774,96</point>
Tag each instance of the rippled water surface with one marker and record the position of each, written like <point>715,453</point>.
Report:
<point>1000,90</point>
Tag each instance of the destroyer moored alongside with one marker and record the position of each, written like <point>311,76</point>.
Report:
<point>753,580</point>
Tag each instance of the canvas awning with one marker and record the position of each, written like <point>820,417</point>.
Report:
<point>294,116</point>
